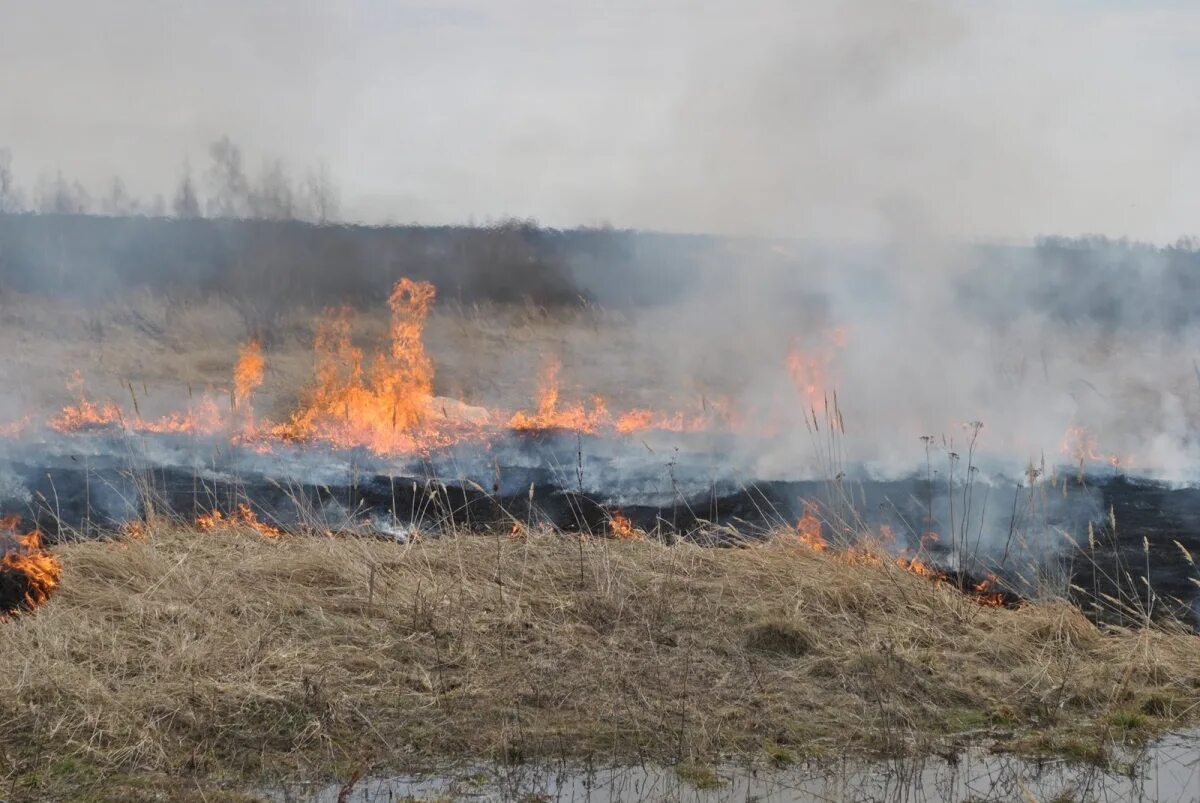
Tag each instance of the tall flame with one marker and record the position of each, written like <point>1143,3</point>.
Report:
<point>247,376</point>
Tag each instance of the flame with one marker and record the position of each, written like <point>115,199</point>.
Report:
<point>85,414</point>
<point>987,592</point>
<point>873,550</point>
<point>28,573</point>
<point>247,377</point>
<point>808,530</point>
<point>714,414</point>
<point>810,371</point>
<point>203,418</point>
<point>622,528</point>
<point>241,517</point>
<point>390,407</point>
<point>549,415</point>
<point>385,402</point>
<point>1081,446</point>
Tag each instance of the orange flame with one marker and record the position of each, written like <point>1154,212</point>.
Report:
<point>247,377</point>
<point>549,415</point>
<point>386,403</point>
<point>1082,447</point>
<point>389,408</point>
<point>808,530</point>
<point>85,414</point>
<point>809,372</point>
<point>242,517</point>
<point>28,573</point>
<point>622,528</point>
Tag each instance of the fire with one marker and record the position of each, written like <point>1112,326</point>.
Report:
<point>203,417</point>
<point>28,573</point>
<point>920,568</point>
<point>85,414</point>
<point>247,376</point>
<point>810,371</point>
<point>549,415</point>
<point>872,549</point>
<point>1082,447</point>
<point>242,517</point>
<point>987,592</point>
<point>384,401</point>
<point>622,528</point>
<point>388,407</point>
<point>808,530</point>
<point>714,414</point>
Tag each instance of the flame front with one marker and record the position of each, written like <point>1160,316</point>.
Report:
<point>386,403</point>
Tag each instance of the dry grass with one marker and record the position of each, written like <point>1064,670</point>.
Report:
<point>190,658</point>
<point>485,354</point>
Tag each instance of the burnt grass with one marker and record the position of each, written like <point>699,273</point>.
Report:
<point>182,663</point>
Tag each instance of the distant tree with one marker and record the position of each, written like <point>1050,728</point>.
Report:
<point>186,204</point>
<point>273,197</point>
<point>321,195</point>
<point>118,202</point>
<point>229,195</point>
<point>57,196</point>
<point>11,199</point>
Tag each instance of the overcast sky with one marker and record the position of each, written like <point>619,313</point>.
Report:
<point>831,118</point>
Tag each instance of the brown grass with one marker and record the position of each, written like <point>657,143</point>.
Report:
<point>186,659</point>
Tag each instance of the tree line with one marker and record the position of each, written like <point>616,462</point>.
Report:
<point>225,188</point>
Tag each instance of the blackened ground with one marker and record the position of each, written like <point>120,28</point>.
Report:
<point>1028,539</point>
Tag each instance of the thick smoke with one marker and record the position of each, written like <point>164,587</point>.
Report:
<point>1073,354</point>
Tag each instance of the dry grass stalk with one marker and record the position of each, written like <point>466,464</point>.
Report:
<point>225,655</point>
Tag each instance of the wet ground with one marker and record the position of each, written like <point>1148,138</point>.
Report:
<point>1167,771</point>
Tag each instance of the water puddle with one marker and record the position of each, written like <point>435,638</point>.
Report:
<point>1168,771</point>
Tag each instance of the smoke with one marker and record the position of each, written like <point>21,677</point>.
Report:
<point>860,119</point>
<point>875,143</point>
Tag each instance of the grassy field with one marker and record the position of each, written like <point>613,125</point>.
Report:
<point>167,349</point>
<point>196,665</point>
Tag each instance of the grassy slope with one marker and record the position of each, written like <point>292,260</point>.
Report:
<point>185,659</point>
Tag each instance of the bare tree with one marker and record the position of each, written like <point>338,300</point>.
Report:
<point>118,202</point>
<point>57,196</point>
<point>273,198</point>
<point>186,202</point>
<point>321,195</point>
<point>230,191</point>
<point>11,199</point>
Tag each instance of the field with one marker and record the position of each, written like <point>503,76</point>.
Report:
<point>209,664</point>
<point>175,662</point>
<point>164,349</point>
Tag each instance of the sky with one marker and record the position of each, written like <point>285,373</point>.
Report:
<point>869,119</point>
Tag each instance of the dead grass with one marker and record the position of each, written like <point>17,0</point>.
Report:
<point>227,657</point>
<point>485,354</point>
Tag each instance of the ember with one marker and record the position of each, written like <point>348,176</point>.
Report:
<point>28,573</point>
